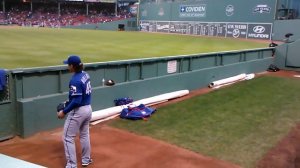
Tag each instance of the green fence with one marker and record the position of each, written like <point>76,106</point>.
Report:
<point>287,55</point>
<point>32,95</point>
<point>129,24</point>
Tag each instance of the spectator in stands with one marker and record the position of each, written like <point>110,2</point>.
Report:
<point>48,15</point>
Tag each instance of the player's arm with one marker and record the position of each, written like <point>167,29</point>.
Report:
<point>76,96</point>
<point>69,106</point>
<point>75,102</point>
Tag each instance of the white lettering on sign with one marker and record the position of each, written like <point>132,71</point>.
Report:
<point>240,26</point>
<point>192,10</point>
<point>195,9</point>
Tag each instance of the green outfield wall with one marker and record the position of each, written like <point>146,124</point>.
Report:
<point>287,55</point>
<point>255,19</point>
<point>282,27</point>
<point>129,24</point>
<point>231,18</point>
<point>29,102</point>
<point>250,19</point>
<point>261,11</point>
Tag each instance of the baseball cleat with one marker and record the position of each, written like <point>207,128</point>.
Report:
<point>88,163</point>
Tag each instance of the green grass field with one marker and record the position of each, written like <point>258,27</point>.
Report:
<point>238,124</point>
<point>36,47</point>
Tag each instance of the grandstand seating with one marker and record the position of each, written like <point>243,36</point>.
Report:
<point>69,14</point>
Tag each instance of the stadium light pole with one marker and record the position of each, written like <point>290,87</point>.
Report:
<point>276,10</point>
<point>116,8</point>
<point>58,9</point>
<point>3,6</point>
<point>31,6</point>
<point>87,9</point>
<point>138,15</point>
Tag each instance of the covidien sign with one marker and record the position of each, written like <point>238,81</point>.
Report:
<point>192,10</point>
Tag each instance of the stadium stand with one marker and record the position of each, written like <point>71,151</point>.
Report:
<point>66,14</point>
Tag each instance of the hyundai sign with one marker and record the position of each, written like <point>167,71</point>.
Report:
<point>259,31</point>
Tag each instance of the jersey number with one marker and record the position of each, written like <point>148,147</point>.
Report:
<point>88,88</point>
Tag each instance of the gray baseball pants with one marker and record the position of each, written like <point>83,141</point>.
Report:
<point>77,122</point>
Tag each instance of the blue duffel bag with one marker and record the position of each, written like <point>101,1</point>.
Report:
<point>137,112</point>
<point>123,101</point>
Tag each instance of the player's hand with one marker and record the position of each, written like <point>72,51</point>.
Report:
<point>60,114</point>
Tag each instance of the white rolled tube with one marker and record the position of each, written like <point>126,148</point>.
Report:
<point>162,97</point>
<point>227,80</point>
<point>100,114</point>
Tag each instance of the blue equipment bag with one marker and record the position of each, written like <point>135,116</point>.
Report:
<point>123,101</point>
<point>136,113</point>
<point>2,79</point>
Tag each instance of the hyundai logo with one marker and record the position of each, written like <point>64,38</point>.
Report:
<point>259,29</point>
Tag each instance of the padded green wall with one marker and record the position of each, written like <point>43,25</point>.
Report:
<point>287,56</point>
<point>38,90</point>
<point>8,121</point>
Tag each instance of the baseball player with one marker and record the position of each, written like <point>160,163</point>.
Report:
<point>79,113</point>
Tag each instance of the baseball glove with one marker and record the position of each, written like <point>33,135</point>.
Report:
<point>109,82</point>
<point>60,107</point>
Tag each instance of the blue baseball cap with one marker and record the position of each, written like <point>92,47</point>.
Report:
<point>73,60</point>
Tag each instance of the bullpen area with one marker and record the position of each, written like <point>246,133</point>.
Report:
<point>242,125</point>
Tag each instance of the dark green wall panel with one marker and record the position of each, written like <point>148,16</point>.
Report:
<point>39,114</point>
<point>8,121</point>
